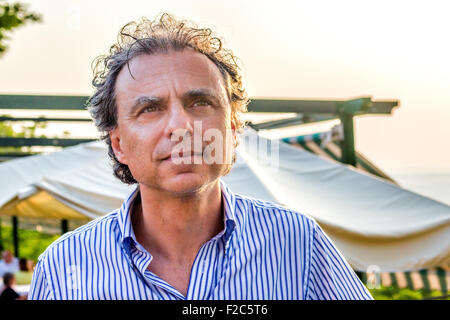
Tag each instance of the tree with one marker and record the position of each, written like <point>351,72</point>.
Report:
<point>21,131</point>
<point>13,16</point>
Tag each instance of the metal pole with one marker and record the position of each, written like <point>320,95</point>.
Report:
<point>64,226</point>
<point>15,230</point>
<point>362,276</point>
<point>348,145</point>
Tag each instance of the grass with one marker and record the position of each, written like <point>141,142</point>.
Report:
<point>395,293</point>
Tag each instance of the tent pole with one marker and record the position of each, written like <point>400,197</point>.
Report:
<point>15,225</point>
<point>64,226</point>
<point>348,145</point>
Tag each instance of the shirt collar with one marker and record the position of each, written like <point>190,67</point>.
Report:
<point>229,202</point>
<point>128,237</point>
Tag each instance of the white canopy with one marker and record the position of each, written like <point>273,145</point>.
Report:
<point>372,222</point>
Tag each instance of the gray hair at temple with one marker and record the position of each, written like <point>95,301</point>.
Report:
<point>150,37</point>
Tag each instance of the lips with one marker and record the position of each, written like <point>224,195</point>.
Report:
<point>184,155</point>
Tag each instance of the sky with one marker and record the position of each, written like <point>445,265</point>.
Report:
<point>288,49</point>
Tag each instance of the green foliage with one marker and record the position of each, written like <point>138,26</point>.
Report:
<point>31,242</point>
<point>13,15</point>
<point>407,294</point>
<point>6,130</point>
<point>25,131</point>
<point>395,293</point>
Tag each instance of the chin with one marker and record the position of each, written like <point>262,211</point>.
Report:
<point>184,183</point>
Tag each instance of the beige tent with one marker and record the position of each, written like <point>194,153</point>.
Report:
<point>373,222</point>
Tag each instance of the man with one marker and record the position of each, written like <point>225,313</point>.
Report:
<point>164,96</point>
<point>9,263</point>
<point>7,293</point>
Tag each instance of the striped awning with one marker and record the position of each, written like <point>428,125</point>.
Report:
<point>327,144</point>
<point>426,279</point>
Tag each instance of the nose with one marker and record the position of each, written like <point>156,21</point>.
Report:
<point>179,122</point>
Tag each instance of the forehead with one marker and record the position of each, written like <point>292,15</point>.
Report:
<point>180,70</point>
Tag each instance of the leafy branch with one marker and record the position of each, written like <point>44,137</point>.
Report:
<point>13,16</point>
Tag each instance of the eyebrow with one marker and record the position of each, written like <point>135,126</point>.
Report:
<point>202,92</point>
<point>139,101</point>
<point>193,93</point>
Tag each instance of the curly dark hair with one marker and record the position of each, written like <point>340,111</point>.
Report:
<point>160,35</point>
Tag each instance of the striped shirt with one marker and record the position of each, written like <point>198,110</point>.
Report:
<point>265,251</point>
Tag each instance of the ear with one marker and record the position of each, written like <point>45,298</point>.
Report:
<point>114,135</point>
<point>233,130</point>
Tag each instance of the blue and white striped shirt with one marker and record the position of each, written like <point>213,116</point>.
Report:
<point>266,251</point>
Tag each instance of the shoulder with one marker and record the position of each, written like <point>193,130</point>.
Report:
<point>279,217</point>
<point>93,231</point>
<point>8,293</point>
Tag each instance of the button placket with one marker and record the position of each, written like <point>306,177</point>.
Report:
<point>199,271</point>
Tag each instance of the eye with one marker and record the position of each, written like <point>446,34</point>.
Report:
<point>149,109</point>
<point>201,103</point>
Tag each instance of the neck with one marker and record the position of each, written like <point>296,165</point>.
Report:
<point>174,228</point>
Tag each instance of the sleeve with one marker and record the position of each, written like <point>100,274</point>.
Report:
<point>40,287</point>
<point>330,275</point>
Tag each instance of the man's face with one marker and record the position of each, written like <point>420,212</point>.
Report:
<point>168,94</point>
<point>7,256</point>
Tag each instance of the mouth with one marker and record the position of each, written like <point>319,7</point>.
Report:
<point>183,155</point>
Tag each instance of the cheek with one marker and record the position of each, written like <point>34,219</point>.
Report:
<point>219,136</point>
<point>137,142</point>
